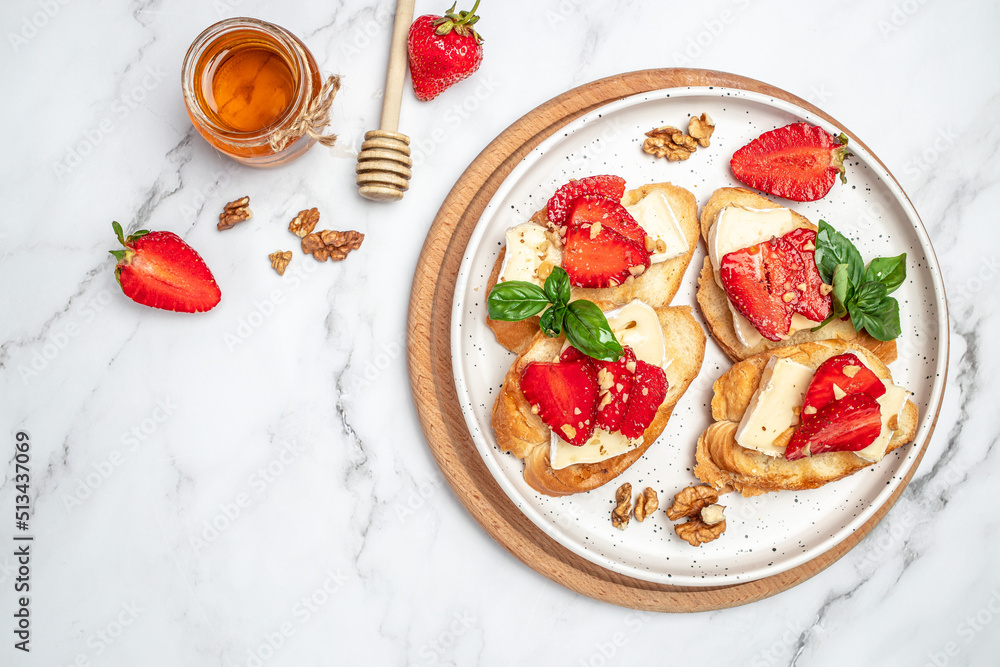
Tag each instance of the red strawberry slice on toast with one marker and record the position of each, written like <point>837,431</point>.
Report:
<point>602,259</point>
<point>845,371</point>
<point>591,210</point>
<point>847,425</point>
<point>565,397</point>
<point>784,270</point>
<point>559,205</point>
<point>615,384</point>
<point>800,162</point>
<point>648,391</point>
<point>744,278</point>
<point>812,302</point>
<point>160,270</point>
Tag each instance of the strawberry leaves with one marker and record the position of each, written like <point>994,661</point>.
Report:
<point>584,324</point>
<point>859,291</point>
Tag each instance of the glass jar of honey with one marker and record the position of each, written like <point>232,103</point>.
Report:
<point>247,84</point>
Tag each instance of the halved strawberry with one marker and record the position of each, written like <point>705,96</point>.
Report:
<point>847,425</point>
<point>799,162</point>
<point>744,277</point>
<point>649,388</point>
<point>812,302</point>
<point>160,270</point>
<point>558,208</point>
<point>591,210</point>
<point>614,386</point>
<point>845,371</point>
<point>565,396</point>
<point>604,259</point>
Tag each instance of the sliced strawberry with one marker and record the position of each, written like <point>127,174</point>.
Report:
<point>649,388</point>
<point>160,270</point>
<point>604,259</point>
<point>812,302</point>
<point>573,354</point>
<point>558,208</point>
<point>745,281</point>
<point>614,386</point>
<point>845,371</point>
<point>784,270</point>
<point>799,162</point>
<point>591,210</point>
<point>565,396</point>
<point>847,425</point>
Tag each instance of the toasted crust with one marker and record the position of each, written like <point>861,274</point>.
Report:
<point>657,286</point>
<point>727,466</point>
<point>523,433</point>
<point>715,304</point>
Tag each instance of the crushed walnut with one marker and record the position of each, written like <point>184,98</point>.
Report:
<point>235,212</point>
<point>701,129</point>
<point>280,260</point>
<point>696,532</point>
<point>620,514</point>
<point>645,504</point>
<point>304,222</point>
<point>330,244</point>
<point>689,501</point>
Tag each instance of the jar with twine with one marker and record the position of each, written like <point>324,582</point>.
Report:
<point>254,92</point>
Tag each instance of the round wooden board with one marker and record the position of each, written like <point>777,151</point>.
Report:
<point>433,386</point>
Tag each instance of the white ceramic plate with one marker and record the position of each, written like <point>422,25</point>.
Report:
<point>767,534</point>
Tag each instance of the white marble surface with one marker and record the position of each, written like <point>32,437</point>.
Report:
<point>284,417</point>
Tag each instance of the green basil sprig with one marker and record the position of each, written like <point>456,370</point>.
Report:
<point>859,291</point>
<point>584,324</point>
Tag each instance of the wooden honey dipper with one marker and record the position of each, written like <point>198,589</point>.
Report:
<point>384,161</point>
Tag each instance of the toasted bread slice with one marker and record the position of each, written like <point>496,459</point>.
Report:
<point>727,466</point>
<point>657,286</point>
<point>524,434</point>
<point>715,304</point>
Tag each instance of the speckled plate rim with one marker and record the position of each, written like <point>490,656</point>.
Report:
<point>904,464</point>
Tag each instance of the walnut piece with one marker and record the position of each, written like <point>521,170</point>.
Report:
<point>691,500</point>
<point>235,212</point>
<point>304,222</point>
<point>645,504</point>
<point>701,128</point>
<point>621,513</point>
<point>696,532</point>
<point>660,142</point>
<point>330,244</point>
<point>713,514</point>
<point>280,260</point>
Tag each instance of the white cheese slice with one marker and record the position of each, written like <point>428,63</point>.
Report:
<point>528,247</point>
<point>890,404</point>
<point>602,445</point>
<point>654,214</point>
<point>771,411</point>
<point>736,228</point>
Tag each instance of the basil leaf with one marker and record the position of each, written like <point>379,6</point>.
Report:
<point>832,249</point>
<point>840,295</point>
<point>551,321</point>
<point>882,321</point>
<point>587,330</point>
<point>557,286</point>
<point>515,300</point>
<point>869,295</point>
<point>890,271</point>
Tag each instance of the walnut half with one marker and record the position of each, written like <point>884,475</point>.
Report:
<point>691,500</point>
<point>235,212</point>
<point>696,532</point>
<point>645,504</point>
<point>330,244</point>
<point>304,222</point>
<point>280,260</point>
<point>701,129</point>
<point>620,514</point>
<point>669,142</point>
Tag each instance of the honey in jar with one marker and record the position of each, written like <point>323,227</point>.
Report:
<point>246,82</point>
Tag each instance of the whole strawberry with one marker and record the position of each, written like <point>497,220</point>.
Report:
<point>443,50</point>
<point>160,270</point>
